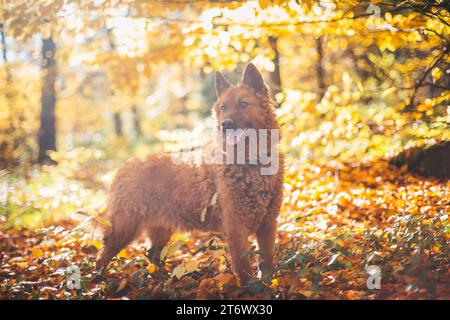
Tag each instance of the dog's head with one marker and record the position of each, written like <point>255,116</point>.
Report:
<point>245,106</point>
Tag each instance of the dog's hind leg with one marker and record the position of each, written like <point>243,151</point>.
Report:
<point>124,229</point>
<point>159,237</point>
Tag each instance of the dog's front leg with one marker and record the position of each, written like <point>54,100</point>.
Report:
<point>265,237</point>
<point>237,238</point>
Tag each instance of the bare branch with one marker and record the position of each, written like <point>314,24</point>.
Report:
<point>422,78</point>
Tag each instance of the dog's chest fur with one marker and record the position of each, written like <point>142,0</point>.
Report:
<point>244,192</point>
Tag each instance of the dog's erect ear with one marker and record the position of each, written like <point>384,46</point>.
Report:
<point>253,79</point>
<point>221,83</point>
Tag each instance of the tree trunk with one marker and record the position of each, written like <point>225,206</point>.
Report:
<point>4,55</point>
<point>3,42</point>
<point>320,72</point>
<point>275,76</point>
<point>118,124</point>
<point>136,120</point>
<point>116,115</point>
<point>47,131</point>
<point>5,159</point>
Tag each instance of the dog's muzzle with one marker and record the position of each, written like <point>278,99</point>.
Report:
<point>227,124</point>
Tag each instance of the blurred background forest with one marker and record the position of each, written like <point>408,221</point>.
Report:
<point>84,85</point>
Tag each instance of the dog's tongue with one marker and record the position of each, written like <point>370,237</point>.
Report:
<point>235,136</point>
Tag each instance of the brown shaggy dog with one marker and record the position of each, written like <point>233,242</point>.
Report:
<point>161,197</point>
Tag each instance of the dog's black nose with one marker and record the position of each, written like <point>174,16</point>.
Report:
<point>227,124</point>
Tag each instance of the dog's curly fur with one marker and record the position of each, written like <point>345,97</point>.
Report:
<point>160,197</point>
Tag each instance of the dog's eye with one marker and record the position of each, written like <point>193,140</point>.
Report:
<point>223,108</point>
<point>243,104</point>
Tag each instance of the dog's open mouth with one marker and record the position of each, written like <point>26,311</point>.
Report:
<point>234,136</point>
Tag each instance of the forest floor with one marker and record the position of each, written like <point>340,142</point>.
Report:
<point>338,224</point>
